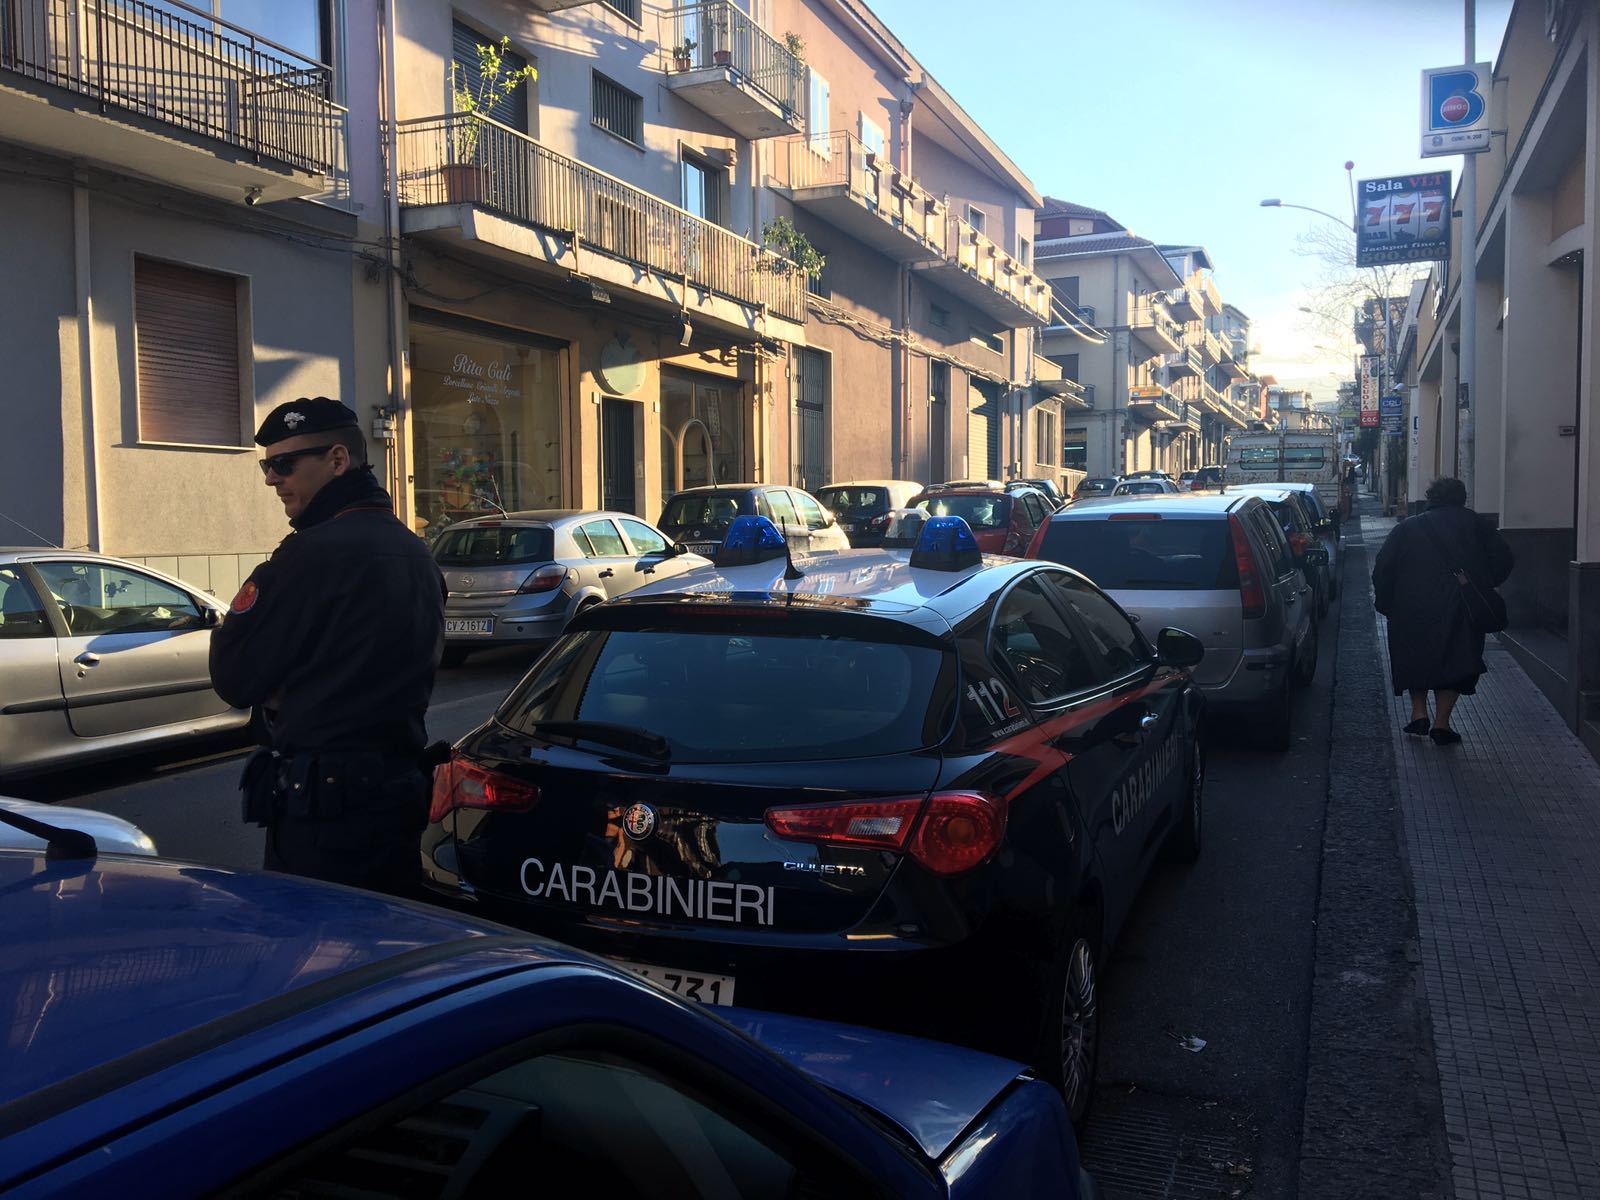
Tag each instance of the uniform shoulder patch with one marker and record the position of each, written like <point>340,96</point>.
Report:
<point>246,599</point>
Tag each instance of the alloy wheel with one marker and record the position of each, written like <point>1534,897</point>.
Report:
<point>1080,1028</point>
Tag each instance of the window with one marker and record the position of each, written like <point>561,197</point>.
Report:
<point>509,110</point>
<point>811,390</point>
<point>976,217</point>
<point>304,26</point>
<point>990,341</point>
<point>1044,430</point>
<point>780,509</point>
<point>1075,450</point>
<point>1033,642</point>
<point>21,614</point>
<point>186,330</point>
<point>1271,536</point>
<point>1067,288</point>
<point>1024,251</point>
<point>810,511</point>
<point>938,315</point>
<point>645,540</point>
<point>1193,555</point>
<point>1078,226</point>
<point>616,110</point>
<point>602,539</point>
<point>628,8</point>
<point>1121,646</point>
<point>702,188</point>
<point>817,125</point>
<point>1068,364</point>
<point>99,599</point>
<point>978,511</point>
<point>494,546</point>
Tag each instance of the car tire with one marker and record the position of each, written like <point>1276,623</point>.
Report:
<point>1277,720</point>
<point>1184,841</point>
<point>1068,1052</point>
<point>454,656</point>
<point>1305,665</point>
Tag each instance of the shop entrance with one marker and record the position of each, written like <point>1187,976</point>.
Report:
<point>619,455</point>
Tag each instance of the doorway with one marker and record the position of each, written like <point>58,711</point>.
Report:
<point>618,456</point>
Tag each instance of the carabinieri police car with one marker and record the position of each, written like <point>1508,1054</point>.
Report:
<point>912,787</point>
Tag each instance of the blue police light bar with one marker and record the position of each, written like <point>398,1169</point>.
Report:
<point>946,544</point>
<point>750,540</point>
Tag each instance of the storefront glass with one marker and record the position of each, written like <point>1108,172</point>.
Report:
<point>691,403</point>
<point>487,424</point>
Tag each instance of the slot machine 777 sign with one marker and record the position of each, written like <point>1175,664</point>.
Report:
<point>1404,219</point>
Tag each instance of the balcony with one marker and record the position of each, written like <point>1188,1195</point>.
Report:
<point>1232,365</point>
<point>1152,403</point>
<point>734,71</point>
<point>1184,362</point>
<point>1151,325</point>
<point>1183,304</point>
<point>167,92</point>
<point>838,179</point>
<point>1210,299</point>
<point>981,274</point>
<point>1211,352</point>
<point>551,6</point>
<point>474,183</point>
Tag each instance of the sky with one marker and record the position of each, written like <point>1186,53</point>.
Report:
<point>1178,118</point>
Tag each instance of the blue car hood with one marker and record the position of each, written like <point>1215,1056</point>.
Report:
<point>105,957</point>
<point>930,1090</point>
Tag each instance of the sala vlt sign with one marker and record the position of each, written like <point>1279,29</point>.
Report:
<point>1455,109</point>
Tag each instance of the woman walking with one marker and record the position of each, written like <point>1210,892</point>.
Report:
<point>1417,585</point>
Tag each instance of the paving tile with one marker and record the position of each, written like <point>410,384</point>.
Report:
<point>1503,843</point>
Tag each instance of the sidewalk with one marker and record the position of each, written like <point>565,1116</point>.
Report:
<point>1501,839</point>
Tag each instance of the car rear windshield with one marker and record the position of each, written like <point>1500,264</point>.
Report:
<point>848,502</point>
<point>702,510</point>
<point>494,545</point>
<point>1144,487</point>
<point>1142,554</point>
<point>760,697</point>
<point>980,512</point>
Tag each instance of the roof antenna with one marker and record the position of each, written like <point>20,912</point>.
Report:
<point>790,571</point>
<point>25,529</point>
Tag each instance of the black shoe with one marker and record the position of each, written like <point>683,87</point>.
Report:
<point>1445,737</point>
<point>1416,728</point>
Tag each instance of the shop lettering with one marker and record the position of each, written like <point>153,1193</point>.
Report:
<point>663,895</point>
<point>465,364</point>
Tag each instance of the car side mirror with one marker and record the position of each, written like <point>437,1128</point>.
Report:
<point>1179,648</point>
<point>674,549</point>
<point>210,617</point>
<point>1316,556</point>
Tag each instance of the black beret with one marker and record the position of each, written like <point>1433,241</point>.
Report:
<point>309,414</point>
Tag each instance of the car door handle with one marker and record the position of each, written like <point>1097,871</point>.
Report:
<point>1291,598</point>
<point>607,573</point>
<point>1149,720</point>
<point>88,659</point>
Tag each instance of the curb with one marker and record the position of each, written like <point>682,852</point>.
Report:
<point>1373,1121</point>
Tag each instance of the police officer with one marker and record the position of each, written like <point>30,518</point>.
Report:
<point>335,639</point>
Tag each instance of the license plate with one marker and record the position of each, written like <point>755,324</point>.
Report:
<point>468,625</point>
<point>847,526</point>
<point>691,985</point>
<point>709,549</point>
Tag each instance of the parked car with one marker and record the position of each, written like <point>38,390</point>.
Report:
<point>191,1031</point>
<point>35,826</point>
<point>518,579</point>
<point>701,517</point>
<point>1146,485</point>
<point>1003,520</point>
<point>960,484</point>
<point>1205,479</point>
<point>100,657</point>
<point>1094,485</point>
<point>1148,473</point>
<point>862,508</point>
<point>1298,514</point>
<point>867,813</point>
<point>1052,493</point>
<point>1325,522</point>
<point>1218,565</point>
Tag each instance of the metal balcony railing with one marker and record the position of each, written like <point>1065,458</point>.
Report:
<point>725,36</point>
<point>842,160</point>
<point>1148,316</point>
<point>179,65</point>
<point>465,158</point>
<point>978,255</point>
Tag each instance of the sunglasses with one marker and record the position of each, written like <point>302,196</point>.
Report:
<point>283,464</point>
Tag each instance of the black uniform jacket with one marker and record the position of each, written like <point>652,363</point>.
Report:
<point>1431,645</point>
<point>339,633</point>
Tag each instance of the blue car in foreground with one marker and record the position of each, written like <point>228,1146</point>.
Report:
<point>180,1030</point>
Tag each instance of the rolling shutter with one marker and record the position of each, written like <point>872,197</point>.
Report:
<point>509,110</point>
<point>982,446</point>
<point>186,328</point>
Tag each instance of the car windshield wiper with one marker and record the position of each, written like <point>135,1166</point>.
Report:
<point>58,842</point>
<point>621,737</point>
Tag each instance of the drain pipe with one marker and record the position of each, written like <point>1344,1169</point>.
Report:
<point>395,409</point>
<point>83,283</point>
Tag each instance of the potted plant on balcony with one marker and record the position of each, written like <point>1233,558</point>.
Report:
<point>473,100</point>
<point>795,45</point>
<point>682,53</point>
<point>793,249</point>
<point>722,51</point>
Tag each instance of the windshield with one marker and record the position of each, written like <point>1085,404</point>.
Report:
<point>757,697</point>
<point>1145,487</point>
<point>1147,555</point>
<point>851,502</point>
<point>494,546</point>
<point>703,510</point>
<point>980,512</point>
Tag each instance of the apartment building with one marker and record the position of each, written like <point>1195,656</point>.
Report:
<point>1209,409</point>
<point>1528,442</point>
<point>183,250</point>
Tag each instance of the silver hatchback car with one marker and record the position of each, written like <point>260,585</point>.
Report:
<point>519,578</point>
<point>1217,566</point>
<point>100,657</point>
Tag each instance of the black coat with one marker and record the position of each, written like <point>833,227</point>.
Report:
<point>1431,644</point>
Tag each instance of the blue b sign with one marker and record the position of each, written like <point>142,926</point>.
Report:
<point>1455,109</point>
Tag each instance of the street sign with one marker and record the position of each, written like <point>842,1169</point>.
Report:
<point>1455,109</point>
<point>1404,218</point>
<point>1392,404</point>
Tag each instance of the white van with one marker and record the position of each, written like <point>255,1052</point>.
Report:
<point>1287,457</point>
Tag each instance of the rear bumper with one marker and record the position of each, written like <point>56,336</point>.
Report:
<point>1257,680</point>
<point>526,628</point>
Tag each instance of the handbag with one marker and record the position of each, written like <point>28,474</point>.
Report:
<point>1485,607</point>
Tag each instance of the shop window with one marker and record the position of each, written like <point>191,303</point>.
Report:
<point>186,334</point>
<point>487,433</point>
<point>1075,450</point>
<point>700,416</point>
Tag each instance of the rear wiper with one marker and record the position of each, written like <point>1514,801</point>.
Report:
<point>622,737</point>
<point>58,842</point>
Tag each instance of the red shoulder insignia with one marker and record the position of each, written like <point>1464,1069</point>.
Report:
<point>246,599</point>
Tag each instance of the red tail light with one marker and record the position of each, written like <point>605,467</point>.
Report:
<point>461,784</point>
<point>546,579</point>
<point>1252,595</point>
<point>947,833</point>
<point>1298,543</point>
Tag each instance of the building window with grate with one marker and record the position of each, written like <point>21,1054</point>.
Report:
<point>628,8</point>
<point>188,353</point>
<point>617,110</point>
<point>1044,436</point>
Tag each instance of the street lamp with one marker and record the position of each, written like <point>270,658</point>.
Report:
<point>1340,221</point>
